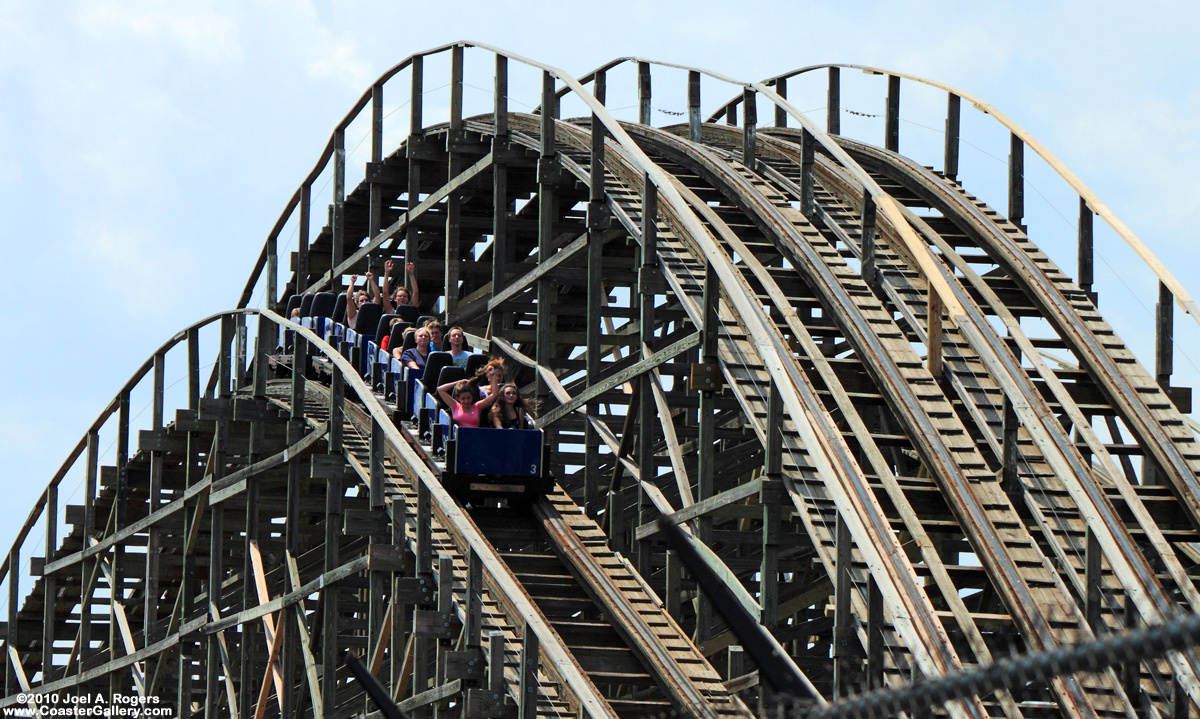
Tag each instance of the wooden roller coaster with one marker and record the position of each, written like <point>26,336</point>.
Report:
<point>904,440</point>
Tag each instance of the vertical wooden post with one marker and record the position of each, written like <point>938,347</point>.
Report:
<point>710,333</point>
<point>153,545</point>
<point>643,93</point>
<point>1086,253</point>
<point>454,167</point>
<point>501,206</point>
<point>874,635</point>
<point>50,584</point>
<point>415,129</point>
<point>91,469</point>
<point>14,603</point>
<point>399,511</point>
<point>781,115</point>
<point>375,209</point>
<point>272,269</point>
<point>334,491</point>
<point>673,586</point>
<point>870,273</point>
<point>934,360</point>
<point>1009,461</point>
<point>1016,181</point>
<point>474,628</point>
<point>694,105</point>
<point>598,223</point>
<point>1164,347</point>
<point>1131,672</point>
<point>529,670</point>
<point>213,696</point>
<point>953,120</point>
<point>302,279</point>
<point>735,662</point>
<point>495,660</point>
<point>845,640</point>
<point>600,87</point>
<point>833,104</point>
<point>648,411</point>
<point>731,113</point>
<point>749,127</point>
<point>808,160</point>
<point>117,585</point>
<point>1093,603</point>
<point>891,120</point>
<point>339,196</point>
<point>378,442</point>
<point>770,499</point>
<point>547,209</point>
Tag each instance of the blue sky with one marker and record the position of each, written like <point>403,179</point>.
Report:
<point>150,146</point>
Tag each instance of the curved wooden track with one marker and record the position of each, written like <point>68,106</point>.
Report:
<point>903,436</point>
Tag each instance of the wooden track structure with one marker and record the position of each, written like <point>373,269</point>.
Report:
<point>827,361</point>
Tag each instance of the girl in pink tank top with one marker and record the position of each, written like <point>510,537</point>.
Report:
<point>462,398</point>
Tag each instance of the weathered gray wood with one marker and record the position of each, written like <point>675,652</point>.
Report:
<point>527,706</point>
<point>891,118</point>
<point>833,103</point>
<point>1016,180</point>
<point>693,106</point>
<point>1086,271</point>
<point>846,649</point>
<point>780,113</point>
<point>644,108</point>
<point>953,124</point>
<point>749,126</point>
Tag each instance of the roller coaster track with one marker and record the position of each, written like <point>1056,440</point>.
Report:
<point>890,424</point>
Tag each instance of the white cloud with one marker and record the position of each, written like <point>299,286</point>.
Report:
<point>338,60</point>
<point>146,275</point>
<point>199,32</point>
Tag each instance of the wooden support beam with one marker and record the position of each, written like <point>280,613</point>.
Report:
<point>846,650</point>
<point>310,663</point>
<point>1164,345</point>
<point>870,272</point>
<point>833,103</point>
<point>1093,601</point>
<point>693,106</point>
<point>272,630</point>
<point>953,124</point>
<point>644,93</point>
<point>527,707</point>
<point>934,359</point>
<point>645,365</point>
<point>1086,253</point>
<point>530,278</point>
<point>1010,458</point>
<point>891,121</point>
<point>808,205</point>
<point>781,115</point>
<point>338,225</point>
<point>1016,181</point>
<point>749,126</point>
<point>705,507</point>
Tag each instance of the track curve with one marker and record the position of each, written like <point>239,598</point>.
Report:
<point>807,350</point>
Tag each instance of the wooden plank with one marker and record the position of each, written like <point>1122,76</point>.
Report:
<point>570,404</point>
<point>310,664</point>
<point>269,627</point>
